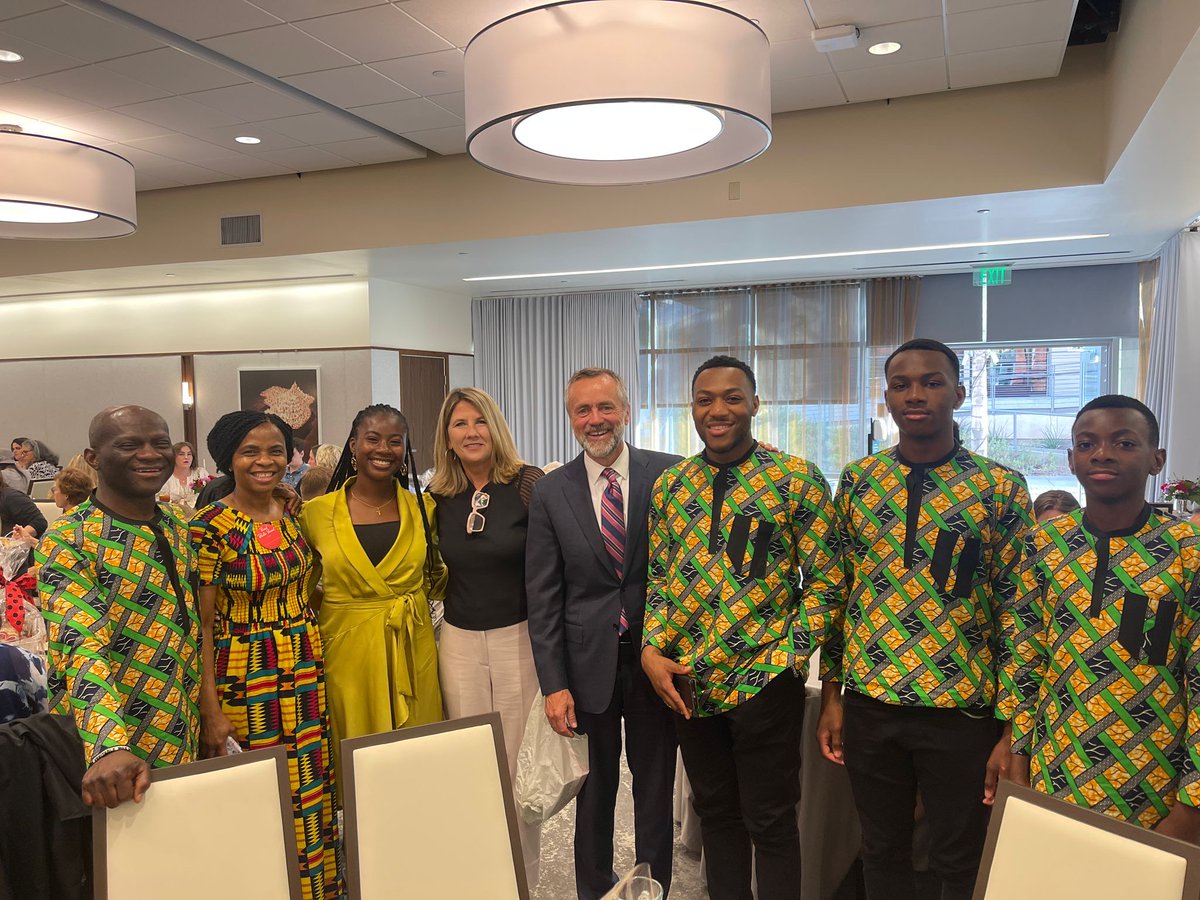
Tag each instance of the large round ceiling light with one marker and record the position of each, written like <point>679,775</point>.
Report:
<point>618,91</point>
<point>52,188</point>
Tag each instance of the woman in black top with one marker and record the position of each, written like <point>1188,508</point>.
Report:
<point>482,489</point>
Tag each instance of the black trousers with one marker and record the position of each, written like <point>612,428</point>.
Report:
<point>650,750</point>
<point>744,767</point>
<point>892,751</point>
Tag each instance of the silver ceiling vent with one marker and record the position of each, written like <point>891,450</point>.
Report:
<point>241,230</point>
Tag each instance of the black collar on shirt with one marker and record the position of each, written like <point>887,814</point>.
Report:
<point>929,465</point>
<point>111,513</point>
<point>1138,524</point>
<point>1100,575</point>
<point>729,465</point>
<point>714,520</point>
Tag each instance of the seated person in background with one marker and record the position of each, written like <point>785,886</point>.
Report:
<point>38,460</point>
<point>19,516</point>
<point>314,482</point>
<point>1052,504</point>
<point>70,489</point>
<point>187,469</point>
<point>11,474</point>
<point>109,626</point>
<point>296,468</point>
<point>1103,663</point>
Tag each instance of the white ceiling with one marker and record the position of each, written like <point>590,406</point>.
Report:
<point>332,83</point>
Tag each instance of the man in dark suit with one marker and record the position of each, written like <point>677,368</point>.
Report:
<point>585,575</point>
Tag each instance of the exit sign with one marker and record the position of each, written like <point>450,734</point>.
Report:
<point>994,276</point>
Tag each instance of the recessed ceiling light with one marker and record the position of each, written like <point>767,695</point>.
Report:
<point>10,56</point>
<point>840,254</point>
<point>247,139</point>
<point>438,73</point>
<point>168,274</point>
<point>983,212</point>
<point>884,48</point>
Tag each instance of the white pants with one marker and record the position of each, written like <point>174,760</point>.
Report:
<point>486,671</point>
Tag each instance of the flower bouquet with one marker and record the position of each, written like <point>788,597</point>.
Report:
<point>1184,495</point>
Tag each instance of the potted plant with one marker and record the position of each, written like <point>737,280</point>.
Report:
<point>1184,495</point>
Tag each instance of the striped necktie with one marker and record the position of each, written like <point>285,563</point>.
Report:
<point>612,528</point>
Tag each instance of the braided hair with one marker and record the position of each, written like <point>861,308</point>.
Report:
<point>231,429</point>
<point>345,468</point>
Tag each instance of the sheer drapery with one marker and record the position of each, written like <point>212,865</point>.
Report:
<point>891,320</point>
<point>1147,287</point>
<point>527,347</point>
<point>1160,372</point>
<point>805,342</point>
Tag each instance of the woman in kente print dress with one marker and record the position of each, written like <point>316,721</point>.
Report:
<point>263,681</point>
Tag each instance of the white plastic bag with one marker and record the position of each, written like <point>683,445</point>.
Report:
<point>550,768</point>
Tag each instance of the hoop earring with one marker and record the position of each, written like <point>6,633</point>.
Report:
<point>353,464</point>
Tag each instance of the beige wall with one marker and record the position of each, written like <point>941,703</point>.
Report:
<point>409,317</point>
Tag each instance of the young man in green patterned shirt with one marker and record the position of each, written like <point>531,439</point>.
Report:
<point>931,535</point>
<point>744,582</point>
<point>1104,672</point>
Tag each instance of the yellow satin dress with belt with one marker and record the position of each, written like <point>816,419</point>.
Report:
<point>381,668</point>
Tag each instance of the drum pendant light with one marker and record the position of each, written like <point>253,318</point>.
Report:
<point>618,91</point>
<point>51,188</point>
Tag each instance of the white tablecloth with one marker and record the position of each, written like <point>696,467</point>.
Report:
<point>830,838</point>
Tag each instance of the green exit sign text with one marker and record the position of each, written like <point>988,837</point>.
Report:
<point>992,277</point>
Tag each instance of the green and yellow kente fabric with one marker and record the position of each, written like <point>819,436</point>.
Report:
<point>1104,665</point>
<point>930,553</point>
<point>744,580</point>
<point>124,632</point>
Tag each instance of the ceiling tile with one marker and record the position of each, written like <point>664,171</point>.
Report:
<point>181,147</point>
<point>268,137</point>
<point>379,32</point>
<point>446,141</point>
<point>460,21</point>
<point>780,21</point>
<point>809,92</point>
<point>240,166</point>
<point>1009,26</point>
<point>371,150</point>
<point>918,39</point>
<point>408,115</point>
<point>14,8</point>
<point>185,173</point>
<point>178,114</point>
<point>198,20</point>
<point>74,32</point>
<point>867,13</point>
<point>351,86</point>
<point>295,10</point>
<point>147,182</point>
<point>141,159</point>
<point>21,97</point>
<point>416,72</point>
<point>279,50</point>
<point>957,6</point>
<point>1008,64</point>
<point>173,71</point>
<point>925,76</point>
<point>455,103</point>
<point>322,128</point>
<point>306,159</point>
<point>97,85</point>
<point>38,60</point>
<point>797,59</point>
<point>112,126</point>
<point>252,102</point>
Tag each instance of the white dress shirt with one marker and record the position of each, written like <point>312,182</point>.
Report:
<point>598,482</point>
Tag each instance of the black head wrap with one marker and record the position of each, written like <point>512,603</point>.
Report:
<point>231,429</point>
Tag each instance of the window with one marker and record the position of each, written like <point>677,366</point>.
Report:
<point>806,344</point>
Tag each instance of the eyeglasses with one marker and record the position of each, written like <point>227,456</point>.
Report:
<point>475,519</point>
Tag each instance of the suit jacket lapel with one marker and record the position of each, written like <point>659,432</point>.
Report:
<point>640,483</point>
<point>579,498</point>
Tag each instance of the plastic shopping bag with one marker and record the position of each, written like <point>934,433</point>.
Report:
<point>550,768</point>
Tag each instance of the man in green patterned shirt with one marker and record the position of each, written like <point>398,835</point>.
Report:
<point>123,626</point>
<point>744,583</point>
<point>931,535</point>
<point>1104,671</point>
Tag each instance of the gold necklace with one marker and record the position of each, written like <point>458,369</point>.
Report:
<point>378,509</point>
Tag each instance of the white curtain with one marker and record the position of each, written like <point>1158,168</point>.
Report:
<point>527,347</point>
<point>1160,371</point>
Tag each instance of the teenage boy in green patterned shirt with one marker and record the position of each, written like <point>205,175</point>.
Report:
<point>744,581</point>
<point>931,535</point>
<point>1104,674</point>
